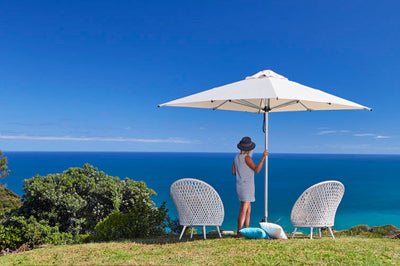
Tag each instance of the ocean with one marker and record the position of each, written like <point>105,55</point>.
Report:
<point>372,182</point>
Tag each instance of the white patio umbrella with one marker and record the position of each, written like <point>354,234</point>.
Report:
<point>265,92</point>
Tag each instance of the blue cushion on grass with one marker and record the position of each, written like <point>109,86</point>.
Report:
<point>253,233</point>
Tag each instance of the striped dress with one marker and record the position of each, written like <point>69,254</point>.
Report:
<point>244,179</point>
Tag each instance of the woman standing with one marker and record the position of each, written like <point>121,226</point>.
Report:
<point>243,167</point>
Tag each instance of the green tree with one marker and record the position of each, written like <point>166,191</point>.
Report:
<point>77,199</point>
<point>99,191</point>
<point>53,198</point>
<point>143,221</point>
<point>4,171</point>
<point>18,230</point>
<point>8,199</point>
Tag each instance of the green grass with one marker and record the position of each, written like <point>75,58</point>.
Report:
<point>216,251</point>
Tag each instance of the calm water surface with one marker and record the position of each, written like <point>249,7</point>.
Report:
<point>372,182</point>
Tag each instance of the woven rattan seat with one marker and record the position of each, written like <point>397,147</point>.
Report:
<point>198,204</point>
<point>317,206</point>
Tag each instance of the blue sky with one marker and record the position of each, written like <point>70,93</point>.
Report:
<point>88,75</point>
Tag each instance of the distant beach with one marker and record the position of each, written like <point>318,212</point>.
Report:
<point>371,181</point>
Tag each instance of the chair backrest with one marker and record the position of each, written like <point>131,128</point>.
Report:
<point>317,206</point>
<point>197,203</point>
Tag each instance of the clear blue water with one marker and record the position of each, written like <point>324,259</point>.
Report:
<point>372,182</point>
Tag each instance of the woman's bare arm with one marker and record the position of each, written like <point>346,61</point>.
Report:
<point>233,168</point>
<point>251,164</point>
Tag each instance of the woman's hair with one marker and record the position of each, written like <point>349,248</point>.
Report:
<point>245,152</point>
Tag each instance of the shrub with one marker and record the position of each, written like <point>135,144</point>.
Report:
<point>53,198</point>
<point>85,238</point>
<point>173,225</point>
<point>376,232</point>
<point>383,230</point>
<point>10,238</point>
<point>138,223</point>
<point>114,227</point>
<point>356,230</point>
<point>79,198</point>
<point>8,200</point>
<point>34,233</point>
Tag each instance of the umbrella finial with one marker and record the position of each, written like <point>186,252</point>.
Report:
<point>266,74</point>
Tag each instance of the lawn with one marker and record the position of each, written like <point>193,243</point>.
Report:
<point>216,251</point>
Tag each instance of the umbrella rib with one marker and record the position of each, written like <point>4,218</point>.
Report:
<point>250,104</point>
<point>246,103</point>
<point>308,109</point>
<point>285,104</point>
<point>215,108</point>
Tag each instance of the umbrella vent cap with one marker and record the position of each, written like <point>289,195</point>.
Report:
<point>266,74</point>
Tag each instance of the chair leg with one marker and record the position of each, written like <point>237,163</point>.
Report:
<point>183,230</point>
<point>330,230</point>
<point>204,231</point>
<point>319,229</point>
<point>219,232</point>
<point>311,231</point>
<point>191,235</point>
<point>294,232</point>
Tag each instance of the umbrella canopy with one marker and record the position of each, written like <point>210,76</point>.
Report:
<point>265,92</point>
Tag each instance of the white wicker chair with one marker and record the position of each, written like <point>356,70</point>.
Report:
<point>317,206</point>
<point>198,204</point>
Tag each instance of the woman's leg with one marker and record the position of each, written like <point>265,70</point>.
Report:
<point>247,219</point>
<point>242,215</point>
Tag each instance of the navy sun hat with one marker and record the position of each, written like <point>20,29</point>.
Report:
<point>246,144</point>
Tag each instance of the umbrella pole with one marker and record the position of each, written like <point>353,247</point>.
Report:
<point>266,169</point>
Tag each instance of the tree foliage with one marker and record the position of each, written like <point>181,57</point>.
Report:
<point>4,171</point>
<point>137,223</point>
<point>77,199</point>
<point>8,200</point>
<point>19,230</point>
